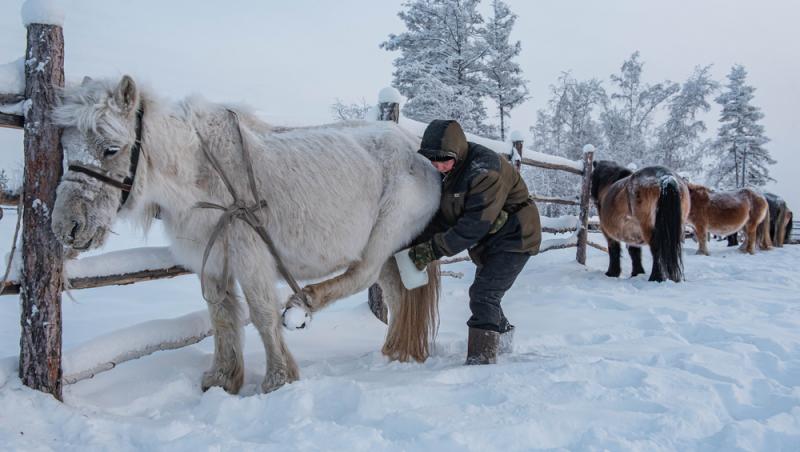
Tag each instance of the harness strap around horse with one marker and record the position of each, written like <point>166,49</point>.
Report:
<point>239,209</point>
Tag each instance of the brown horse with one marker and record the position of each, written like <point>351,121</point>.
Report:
<point>727,212</point>
<point>648,207</point>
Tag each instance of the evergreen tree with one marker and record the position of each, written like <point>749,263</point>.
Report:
<point>628,112</point>
<point>741,157</point>
<point>562,129</point>
<point>442,47</point>
<point>679,144</point>
<point>505,84</point>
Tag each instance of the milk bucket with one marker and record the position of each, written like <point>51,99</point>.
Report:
<point>411,277</point>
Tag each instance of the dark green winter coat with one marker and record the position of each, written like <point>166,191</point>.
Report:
<point>485,203</point>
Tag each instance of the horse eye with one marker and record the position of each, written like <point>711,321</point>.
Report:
<point>111,150</point>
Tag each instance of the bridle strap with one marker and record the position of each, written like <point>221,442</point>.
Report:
<point>126,185</point>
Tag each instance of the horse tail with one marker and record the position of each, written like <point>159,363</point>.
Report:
<point>668,233</point>
<point>762,234</point>
<point>414,319</point>
<point>789,225</point>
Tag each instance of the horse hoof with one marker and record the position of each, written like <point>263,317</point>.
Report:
<point>296,318</point>
<point>216,378</point>
<point>611,274</point>
<point>275,380</point>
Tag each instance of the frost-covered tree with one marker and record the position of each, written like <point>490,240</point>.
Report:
<point>741,157</point>
<point>679,144</point>
<point>442,46</point>
<point>346,112</point>
<point>628,112</point>
<point>505,85</point>
<point>562,128</point>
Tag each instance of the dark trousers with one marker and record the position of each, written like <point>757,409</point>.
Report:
<point>495,275</point>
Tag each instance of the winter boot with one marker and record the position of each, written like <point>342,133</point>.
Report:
<point>507,340</point>
<point>482,346</point>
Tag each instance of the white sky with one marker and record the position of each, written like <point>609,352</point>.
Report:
<point>290,59</point>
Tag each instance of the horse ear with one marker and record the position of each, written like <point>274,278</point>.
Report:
<point>86,80</point>
<point>127,95</point>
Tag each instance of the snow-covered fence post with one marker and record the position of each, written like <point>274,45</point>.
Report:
<point>583,217</point>
<point>389,104</point>
<point>42,259</point>
<point>388,110</point>
<point>517,144</point>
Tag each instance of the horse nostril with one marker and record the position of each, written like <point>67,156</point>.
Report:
<point>76,227</point>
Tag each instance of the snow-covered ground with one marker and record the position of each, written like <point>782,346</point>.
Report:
<point>599,364</point>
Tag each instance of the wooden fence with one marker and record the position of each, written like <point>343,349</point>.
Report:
<point>42,274</point>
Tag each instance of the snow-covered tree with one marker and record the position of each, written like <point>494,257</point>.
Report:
<point>741,158</point>
<point>346,112</point>
<point>563,128</point>
<point>679,144</point>
<point>505,86</point>
<point>442,46</point>
<point>628,112</point>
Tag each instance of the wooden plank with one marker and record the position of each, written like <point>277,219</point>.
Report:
<point>583,222</point>
<point>548,199</point>
<point>548,165</point>
<point>42,254</point>
<point>10,99</point>
<point>11,121</point>
<point>13,287</point>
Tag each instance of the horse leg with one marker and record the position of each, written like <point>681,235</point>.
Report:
<point>702,239</point>
<point>614,252</point>
<point>227,371</point>
<point>357,277</point>
<point>264,307</point>
<point>635,253</point>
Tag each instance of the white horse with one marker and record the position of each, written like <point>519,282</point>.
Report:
<point>339,198</point>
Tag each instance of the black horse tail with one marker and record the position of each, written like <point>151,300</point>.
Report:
<point>788,237</point>
<point>668,233</point>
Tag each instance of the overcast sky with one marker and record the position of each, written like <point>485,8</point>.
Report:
<point>290,59</point>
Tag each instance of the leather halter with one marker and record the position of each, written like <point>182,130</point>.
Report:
<point>125,185</point>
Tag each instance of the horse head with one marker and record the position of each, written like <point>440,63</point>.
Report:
<point>102,124</point>
<point>604,173</point>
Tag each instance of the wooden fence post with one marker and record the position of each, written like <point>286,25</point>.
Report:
<point>388,110</point>
<point>42,260</point>
<point>583,226</point>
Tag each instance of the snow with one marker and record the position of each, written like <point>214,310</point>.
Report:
<point>13,109</point>
<point>418,128</point>
<point>389,94</point>
<point>516,135</point>
<point>561,223</point>
<point>12,77</point>
<point>50,12</point>
<point>712,363</point>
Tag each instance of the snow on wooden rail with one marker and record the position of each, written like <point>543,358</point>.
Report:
<point>114,268</point>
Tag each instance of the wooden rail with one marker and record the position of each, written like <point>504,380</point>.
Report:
<point>11,121</point>
<point>548,165</point>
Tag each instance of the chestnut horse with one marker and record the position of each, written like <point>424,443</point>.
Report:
<point>646,207</point>
<point>727,212</point>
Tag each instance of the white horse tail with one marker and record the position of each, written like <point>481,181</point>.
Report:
<point>413,314</point>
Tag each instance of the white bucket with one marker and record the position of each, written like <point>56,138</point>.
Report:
<point>411,277</point>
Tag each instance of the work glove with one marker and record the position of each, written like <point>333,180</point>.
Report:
<point>422,254</point>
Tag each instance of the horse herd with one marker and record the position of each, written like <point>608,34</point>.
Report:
<point>653,205</point>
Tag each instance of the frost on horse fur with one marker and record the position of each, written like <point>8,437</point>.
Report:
<point>340,198</point>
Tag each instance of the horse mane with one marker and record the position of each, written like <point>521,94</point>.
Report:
<point>606,172</point>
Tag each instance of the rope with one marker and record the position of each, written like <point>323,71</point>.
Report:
<point>239,209</point>
<point>13,246</point>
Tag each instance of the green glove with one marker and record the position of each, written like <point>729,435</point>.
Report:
<point>422,254</point>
